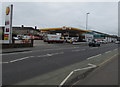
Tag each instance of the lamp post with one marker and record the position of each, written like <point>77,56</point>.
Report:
<point>87,20</point>
<point>86,26</point>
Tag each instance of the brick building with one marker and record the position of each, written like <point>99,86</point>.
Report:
<point>23,30</point>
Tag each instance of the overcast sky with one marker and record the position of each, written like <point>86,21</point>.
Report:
<point>103,15</point>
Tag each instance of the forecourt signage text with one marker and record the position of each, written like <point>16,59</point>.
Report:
<point>8,25</point>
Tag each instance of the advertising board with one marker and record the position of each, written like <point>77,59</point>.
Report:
<point>89,37</point>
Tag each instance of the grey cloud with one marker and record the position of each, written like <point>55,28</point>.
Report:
<point>103,15</point>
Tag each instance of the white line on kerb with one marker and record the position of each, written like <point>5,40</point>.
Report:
<point>108,52</point>
<point>62,83</point>
<point>94,56</point>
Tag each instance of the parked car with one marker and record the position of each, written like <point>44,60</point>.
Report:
<point>15,38</point>
<point>103,42</point>
<point>94,44</point>
<point>71,39</point>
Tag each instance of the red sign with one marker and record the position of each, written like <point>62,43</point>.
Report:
<point>6,35</point>
<point>7,29</point>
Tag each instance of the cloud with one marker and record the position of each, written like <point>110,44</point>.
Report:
<point>103,15</point>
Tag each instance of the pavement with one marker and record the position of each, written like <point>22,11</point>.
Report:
<point>12,50</point>
<point>50,64</point>
<point>104,75</point>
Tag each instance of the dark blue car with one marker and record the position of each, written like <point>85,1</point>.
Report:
<point>94,44</point>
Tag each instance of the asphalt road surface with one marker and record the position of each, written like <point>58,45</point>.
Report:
<point>17,67</point>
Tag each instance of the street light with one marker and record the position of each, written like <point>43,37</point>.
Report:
<point>87,20</point>
<point>86,25</point>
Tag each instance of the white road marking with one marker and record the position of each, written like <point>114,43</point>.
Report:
<point>16,53</point>
<point>21,59</point>
<point>49,54</point>
<point>62,83</point>
<point>42,55</point>
<point>78,50</point>
<point>75,50</point>
<point>58,49</point>
<point>35,56</point>
<point>94,56</point>
<point>57,53</point>
<point>92,65</point>
<point>108,52</point>
<point>3,62</point>
<point>94,48</point>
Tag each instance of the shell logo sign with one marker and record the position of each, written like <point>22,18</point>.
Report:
<point>8,24</point>
<point>7,11</point>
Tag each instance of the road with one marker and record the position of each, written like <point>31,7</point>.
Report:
<point>104,75</point>
<point>21,66</point>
